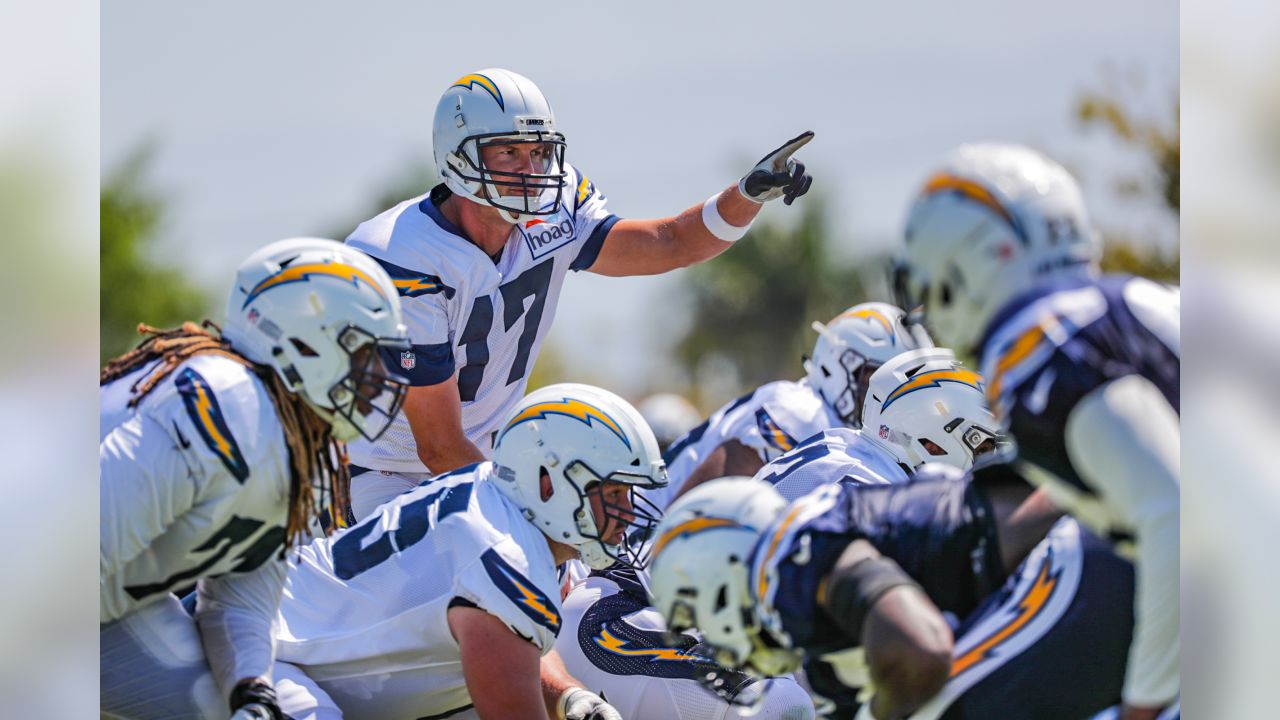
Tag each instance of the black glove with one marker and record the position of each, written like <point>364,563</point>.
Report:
<point>254,700</point>
<point>777,175</point>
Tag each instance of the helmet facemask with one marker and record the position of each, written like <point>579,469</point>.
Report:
<point>632,519</point>
<point>536,194</point>
<point>367,400</point>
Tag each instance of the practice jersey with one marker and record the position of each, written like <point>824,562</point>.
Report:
<point>772,419</point>
<point>940,532</point>
<point>194,486</point>
<point>364,612</point>
<point>471,315</point>
<point>837,455</point>
<point>1050,348</point>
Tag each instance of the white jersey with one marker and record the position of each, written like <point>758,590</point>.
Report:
<point>772,419</point>
<point>364,613</point>
<point>839,455</point>
<point>468,314</point>
<point>194,485</point>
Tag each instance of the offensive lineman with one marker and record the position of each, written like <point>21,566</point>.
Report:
<point>905,600</point>
<point>444,602</point>
<point>479,262</point>
<point>739,438</point>
<point>1083,370</point>
<point>211,453</point>
<point>922,407</point>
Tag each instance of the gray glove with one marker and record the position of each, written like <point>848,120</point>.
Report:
<point>777,175</point>
<point>579,704</point>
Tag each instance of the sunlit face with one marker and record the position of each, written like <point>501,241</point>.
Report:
<point>529,158</point>
<point>611,507</point>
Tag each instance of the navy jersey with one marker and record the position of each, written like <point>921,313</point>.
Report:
<point>1049,348</point>
<point>942,533</point>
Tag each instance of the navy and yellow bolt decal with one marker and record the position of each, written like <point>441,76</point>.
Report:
<point>422,285</point>
<point>202,406</point>
<point>575,409</point>
<point>772,432</point>
<point>585,189</point>
<point>618,646</point>
<point>871,314</point>
<point>306,271</point>
<point>935,378</point>
<point>690,527</point>
<point>1032,603</point>
<point>522,591</point>
<point>470,82</point>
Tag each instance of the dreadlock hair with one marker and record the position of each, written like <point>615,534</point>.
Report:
<point>314,455</point>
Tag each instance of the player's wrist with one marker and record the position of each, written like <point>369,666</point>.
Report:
<point>717,225</point>
<point>257,695</point>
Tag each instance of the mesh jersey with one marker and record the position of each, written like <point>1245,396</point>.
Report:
<point>771,419</point>
<point>837,455</point>
<point>364,612</point>
<point>940,532</point>
<point>1050,348</point>
<point>468,314</point>
<point>614,643</point>
<point>194,485</point>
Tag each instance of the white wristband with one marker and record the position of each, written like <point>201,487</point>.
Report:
<point>716,225</point>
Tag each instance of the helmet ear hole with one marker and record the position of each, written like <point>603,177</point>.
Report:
<point>545,487</point>
<point>303,349</point>
<point>721,598</point>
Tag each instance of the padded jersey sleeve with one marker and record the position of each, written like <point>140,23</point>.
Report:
<point>501,583</point>
<point>591,216</point>
<point>236,614</point>
<point>424,299</point>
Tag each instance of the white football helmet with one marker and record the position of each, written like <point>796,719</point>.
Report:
<point>700,571</point>
<point>490,107</point>
<point>852,346</point>
<point>578,437</point>
<point>669,415</point>
<point>993,222</point>
<point>324,316</point>
<point>923,406</point>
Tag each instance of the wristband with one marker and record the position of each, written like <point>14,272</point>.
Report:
<point>717,226</point>
<point>853,590</point>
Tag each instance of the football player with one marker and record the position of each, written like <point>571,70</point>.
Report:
<point>213,452</point>
<point>739,438</point>
<point>479,262</point>
<point>444,602</point>
<point>1082,369</point>
<point>940,598</point>
<point>921,407</point>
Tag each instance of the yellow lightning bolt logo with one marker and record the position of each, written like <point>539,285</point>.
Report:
<point>532,601</point>
<point>618,646</point>
<point>575,409</point>
<point>691,527</point>
<point>417,286</point>
<point>470,82</point>
<point>973,191</point>
<point>934,378</point>
<point>762,587</point>
<point>869,314</point>
<point>305,271</point>
<point>204,409</point>
<point>584,189</point>
<point>1027,609</point>
<point>1018,351</point>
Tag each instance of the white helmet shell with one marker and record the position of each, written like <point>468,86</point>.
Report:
<point>992,222</point>
<point>496,106</point>
<point>579,436</point>
<point>700,571</point>
<point>308,308</point>
<point>852,346</point>
<point>923,406</point>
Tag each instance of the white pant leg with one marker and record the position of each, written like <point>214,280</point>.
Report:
<point>371,489</point>
<point>300,697</point>
<point>152,665</point>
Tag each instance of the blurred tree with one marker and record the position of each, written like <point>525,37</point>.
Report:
<point>135,287</point>
<point>753,305</point>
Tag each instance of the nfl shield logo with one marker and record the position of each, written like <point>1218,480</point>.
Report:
<point>408,360</point>
<point>884,432</point>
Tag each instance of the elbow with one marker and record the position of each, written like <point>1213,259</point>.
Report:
<point>913,675</point>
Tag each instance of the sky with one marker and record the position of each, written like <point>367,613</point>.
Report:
<point>272,120</point>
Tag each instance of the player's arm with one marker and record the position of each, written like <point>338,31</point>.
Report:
<point>907,642</point>
<point>434,413</point>
<point>144,485</point>
<point>731,458</point>
<point>1124,439</point>
<point>652,246</point>
<point>566,698</point>
<point>236,615</point>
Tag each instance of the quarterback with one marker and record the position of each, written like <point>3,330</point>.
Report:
<point>212,450</point>
<point>771,420</point>
<point>479,262</point>
<point>1082,369</point>
<point>444,602</point>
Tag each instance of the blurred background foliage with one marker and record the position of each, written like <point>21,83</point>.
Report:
<point>748,313</point>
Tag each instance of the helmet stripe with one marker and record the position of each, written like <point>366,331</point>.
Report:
<point>468,82</point>
<point>945,182</point>
<point>304,272</point>
<point>567,407</point>
<point>691,527</point>
<point>933,378</point>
